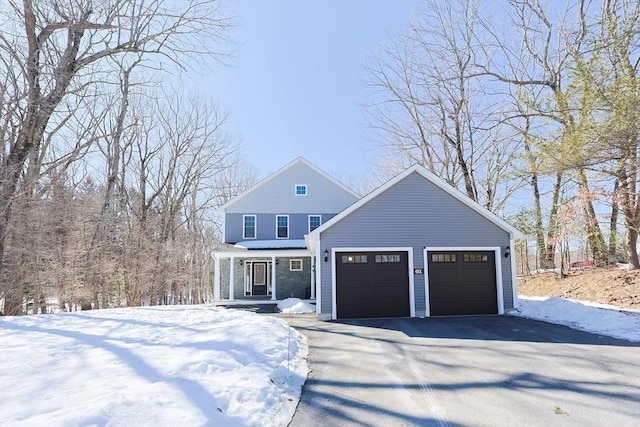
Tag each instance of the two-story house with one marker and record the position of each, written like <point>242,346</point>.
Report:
<point>264,255</point>
<point>414,247</point>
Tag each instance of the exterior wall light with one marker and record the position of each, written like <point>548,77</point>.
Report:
<point>326,255</point>
<point>507,252</point>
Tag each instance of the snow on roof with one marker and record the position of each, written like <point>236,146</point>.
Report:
<point>272,244</point>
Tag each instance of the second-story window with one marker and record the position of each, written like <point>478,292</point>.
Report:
<point>249,227</point>
<point>282,227</point>
<point>315,221</point>
<point>301,190</point>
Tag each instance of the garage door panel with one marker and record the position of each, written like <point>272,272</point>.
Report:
<point>372,289</point>
<point>462,282</point>
<point>375,294</point>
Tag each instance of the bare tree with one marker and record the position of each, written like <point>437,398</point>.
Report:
<point>543,60</point>
<point>430,108</point>
<point>52,50</point>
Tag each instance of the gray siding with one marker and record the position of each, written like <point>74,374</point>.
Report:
<point>414,213</point>
<point>266,225</point>
<point>278,195</point>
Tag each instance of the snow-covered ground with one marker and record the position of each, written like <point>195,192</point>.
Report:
<point>591,317</point>
<point>295,306</point>
<point>188,365</point>
<point>150,366</point>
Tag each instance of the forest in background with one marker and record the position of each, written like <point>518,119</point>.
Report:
<point>110,172</point>
<point>530,108</point>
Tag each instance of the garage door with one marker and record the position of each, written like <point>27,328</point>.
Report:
<point>372,284</point>
<point>462,282</point>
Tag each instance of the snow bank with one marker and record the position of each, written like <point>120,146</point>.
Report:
<point>295,306</point>
<point>591,317</point>
<point>152,366</point>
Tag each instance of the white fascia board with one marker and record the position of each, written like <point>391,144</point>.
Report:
<point>279,172</point>
<point>513,232</point>
<point>312,244</point>
<point>262,253</point>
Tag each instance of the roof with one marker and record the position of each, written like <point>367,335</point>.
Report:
<point>315,234</point>
<point>299,160</point>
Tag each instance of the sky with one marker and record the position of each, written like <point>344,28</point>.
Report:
<point>295,88</point>
<point>188,365</point>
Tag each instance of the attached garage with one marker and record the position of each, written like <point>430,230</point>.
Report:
<point>443,253</point>
<point>462,282</point>
<point>372,284</point>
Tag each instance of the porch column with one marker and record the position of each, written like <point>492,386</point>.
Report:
<point>231,278</point>
<point>313,278</point>
<point>216,279</point>
<point>273,278</point>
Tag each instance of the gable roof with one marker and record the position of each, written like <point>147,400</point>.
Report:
<point>315,234</point>
<point>295,162</point>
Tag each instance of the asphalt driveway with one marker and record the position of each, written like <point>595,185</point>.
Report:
<point>465,371</point>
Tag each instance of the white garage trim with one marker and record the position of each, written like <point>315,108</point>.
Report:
<point>497,257</point>
<point>409,250</point>
<point>514,275</point>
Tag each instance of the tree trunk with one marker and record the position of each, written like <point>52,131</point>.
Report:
<point>594,234</point>
<point>613,224</point>
<point>632,248</point>
<point>550,251</point>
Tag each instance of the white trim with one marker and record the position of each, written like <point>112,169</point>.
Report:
<point>255,227</point>
<point>498,264</point>
<point>295,190</point>
<point>279,172</point>
<point>318,281</point>
<point>278,237</point>
<point>247,274</point>
<point>216,279</point>
<point>291,264</point>
<point>409,250</point>
<point>312,278</point>
<point>315,235</point>
<point>309,221</point>
<point>514,276</point>
<point>263,253</point>
<point>273,278</point>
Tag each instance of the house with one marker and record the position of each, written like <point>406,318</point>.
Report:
<point>414,247</point>
<point>264,257</point>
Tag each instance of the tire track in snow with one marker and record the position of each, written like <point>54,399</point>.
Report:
<point>427,391</point>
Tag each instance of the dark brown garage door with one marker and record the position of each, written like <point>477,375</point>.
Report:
<point>462,283</point>
<point>372,284</point>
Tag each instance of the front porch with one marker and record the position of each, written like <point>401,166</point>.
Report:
<point>263,276</point>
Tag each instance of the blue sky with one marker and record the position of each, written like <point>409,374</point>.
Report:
<point>296,87</point>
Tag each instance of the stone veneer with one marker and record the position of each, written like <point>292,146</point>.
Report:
<point>289,283</point>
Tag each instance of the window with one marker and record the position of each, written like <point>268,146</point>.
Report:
<point>475,257</point>
<point>354,259</point>
<point>301,190</point>
<point>249,227</point>
<point>295,265</point>
<point>387,258</point>
<point>282,227</point>
<point>315,221</point>
<point>443,257</point>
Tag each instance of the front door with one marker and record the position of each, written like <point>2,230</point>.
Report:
<point>259,278</point>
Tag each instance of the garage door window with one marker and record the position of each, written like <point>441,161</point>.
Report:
<point>354,259</point>
<point>387,258</point>
<point>475,257</point>
<point>443,258</point>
